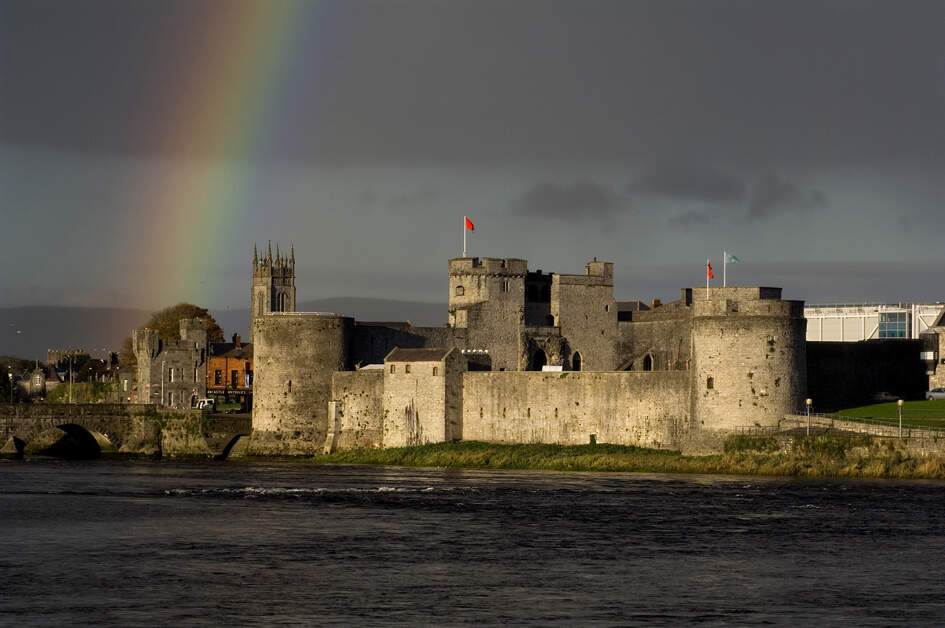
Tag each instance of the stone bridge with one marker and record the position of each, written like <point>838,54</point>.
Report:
<point>88,430</point>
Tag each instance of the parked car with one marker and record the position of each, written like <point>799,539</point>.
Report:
<point>883,396</point>
<point>935,393</point>
<point>206,404</point>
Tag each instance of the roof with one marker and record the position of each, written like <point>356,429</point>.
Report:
<point>435,354</point>
<point>230,350</point>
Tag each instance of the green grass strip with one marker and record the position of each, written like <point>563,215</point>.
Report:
<point>814,456</point>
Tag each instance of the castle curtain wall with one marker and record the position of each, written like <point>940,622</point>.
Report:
<point>359,409</point>
<point>624,408</point>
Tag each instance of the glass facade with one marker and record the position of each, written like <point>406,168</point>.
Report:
<point>893,325</point>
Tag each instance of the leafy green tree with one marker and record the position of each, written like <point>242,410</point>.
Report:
<point>167,324</point>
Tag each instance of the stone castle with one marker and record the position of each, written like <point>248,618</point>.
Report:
<point>524,357</point>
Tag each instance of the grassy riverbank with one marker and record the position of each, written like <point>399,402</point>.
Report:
<point>915,414</point>
<point>802,456</point>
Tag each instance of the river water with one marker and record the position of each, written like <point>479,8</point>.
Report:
<point>134,543</point>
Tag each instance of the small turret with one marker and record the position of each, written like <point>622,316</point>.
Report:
<point>145,343</point>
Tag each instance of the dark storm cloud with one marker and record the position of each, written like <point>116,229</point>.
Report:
<point>577,201</point>
<point>424,195</point>
<point>773,195</point>
<point>690,183</point>
<point>492,81</point>
<point>690,220</point>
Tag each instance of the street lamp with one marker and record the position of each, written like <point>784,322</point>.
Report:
<point>808,401</point>
<point>899,403</point>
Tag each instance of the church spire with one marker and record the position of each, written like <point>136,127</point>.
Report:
<point>255,256</point>
<point>292,254</point>
<point>269,259</point>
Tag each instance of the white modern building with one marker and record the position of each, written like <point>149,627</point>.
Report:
<point>864,321</point>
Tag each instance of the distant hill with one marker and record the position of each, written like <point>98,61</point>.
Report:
<point>27,332</point>
<point>362,309</point>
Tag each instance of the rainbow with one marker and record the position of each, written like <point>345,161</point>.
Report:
<point>237,84</point>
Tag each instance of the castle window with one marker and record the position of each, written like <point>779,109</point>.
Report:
<point>124,385</point>
<point>505,285</point>
<point>709,383</point>
<point>195,375</point>
<point>289,386</point>
<point>170,399</point>
<point>393,368</point>
<point>218,378</point>
<point>435,371</point>
<point>170,374</point>
<point>460,291</point>
<point>576,361</point>
<point>607,307</point>
<point>406,368</point>
<point>647,362</point>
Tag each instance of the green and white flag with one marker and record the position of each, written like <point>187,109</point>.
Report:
<point>727,258</point>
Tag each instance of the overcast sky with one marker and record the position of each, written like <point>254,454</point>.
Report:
<point>807,138</point>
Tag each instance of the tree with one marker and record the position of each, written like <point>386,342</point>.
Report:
<point>167,324</point>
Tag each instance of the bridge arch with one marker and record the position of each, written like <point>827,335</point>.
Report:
<point>69,440</point>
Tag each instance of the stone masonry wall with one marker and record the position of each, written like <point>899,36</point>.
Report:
<point>414,404</point>
<point>491,307</point>
<point>359,409</point>
<point>295,355</point>
<point>666,340</point>
<point>584,308</point>
<point>937,378</point>
<point>747,369</point>
<point>647,409</point>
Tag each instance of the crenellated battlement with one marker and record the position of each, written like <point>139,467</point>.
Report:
<point>496,266</point>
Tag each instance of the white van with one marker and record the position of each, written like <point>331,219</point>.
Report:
<point>206,404</point>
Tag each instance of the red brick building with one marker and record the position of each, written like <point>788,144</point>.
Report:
<point>230,372</point>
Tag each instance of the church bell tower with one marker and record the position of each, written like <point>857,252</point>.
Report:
<point>273,283</point>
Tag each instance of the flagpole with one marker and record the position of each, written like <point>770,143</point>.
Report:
<point>724,268</point>
<point>464,236</point>
<point>707,279</point>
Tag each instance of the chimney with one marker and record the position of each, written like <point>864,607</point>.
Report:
<point>655,303</point>
<point>237,341</point>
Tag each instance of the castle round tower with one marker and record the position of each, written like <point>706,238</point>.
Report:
<point>749,357</point>
<point>295,355</point>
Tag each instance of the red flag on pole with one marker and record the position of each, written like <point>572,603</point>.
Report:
<point>469,224</point>
<point>708,270</point>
